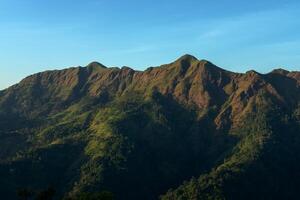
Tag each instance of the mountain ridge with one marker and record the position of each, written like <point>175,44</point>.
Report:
<point>88,129</point>
<point>95,64</point>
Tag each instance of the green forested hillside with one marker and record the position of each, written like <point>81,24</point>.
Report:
<point>185,130</point>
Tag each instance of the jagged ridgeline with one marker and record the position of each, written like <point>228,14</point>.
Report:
<point>184,130</point>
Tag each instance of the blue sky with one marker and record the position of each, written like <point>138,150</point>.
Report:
<point>236,35</point>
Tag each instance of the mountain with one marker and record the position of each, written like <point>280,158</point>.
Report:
<point>184,130</point>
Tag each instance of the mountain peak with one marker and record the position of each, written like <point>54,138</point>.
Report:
<point>187,57</point>
<point>252,73</point>
<point>280,71</point>
<point>95,64</point>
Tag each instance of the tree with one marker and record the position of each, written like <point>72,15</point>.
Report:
<point>103,195</point>
<point>47,194</point>
<point>24,193</point>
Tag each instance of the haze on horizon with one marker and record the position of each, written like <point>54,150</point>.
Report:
<point>235,35</point>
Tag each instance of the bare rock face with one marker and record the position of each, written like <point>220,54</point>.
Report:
<point>191,82</point>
